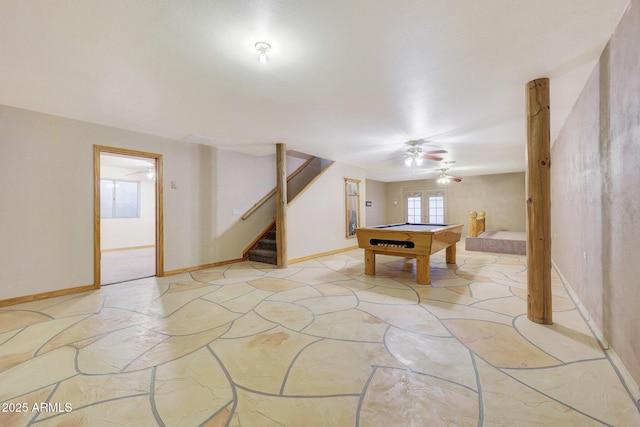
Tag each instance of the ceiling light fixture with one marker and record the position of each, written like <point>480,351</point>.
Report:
<point>414,155</point>
<point>263,48</point>
<point>443,178</point>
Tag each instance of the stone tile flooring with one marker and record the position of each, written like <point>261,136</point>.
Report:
<point>125,265</point>
<point>316,344</point>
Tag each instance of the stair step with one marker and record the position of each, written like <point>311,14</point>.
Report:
<point>263,255</point>
<point>269,244</point>
<point>271,234</point>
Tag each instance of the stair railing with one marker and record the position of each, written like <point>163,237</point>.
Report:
<point>272,193</point>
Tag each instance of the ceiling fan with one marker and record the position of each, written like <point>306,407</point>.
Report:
<point>444,178</point>
<point>415,155</point>
<point>151,172</point>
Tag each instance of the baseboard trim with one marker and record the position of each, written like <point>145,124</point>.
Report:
<point>335,251</point>
<point>45,295</point>
<point>632,386</point>
<point>70,291</point>
<point>76,290</point>
<point>129,248</point>
<point>201,267</point>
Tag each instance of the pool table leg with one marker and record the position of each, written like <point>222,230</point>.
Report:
<point>369,262</point>
<point>451,254</point>
<point>423,277</point>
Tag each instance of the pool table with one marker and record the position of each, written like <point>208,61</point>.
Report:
<point>407,240</point>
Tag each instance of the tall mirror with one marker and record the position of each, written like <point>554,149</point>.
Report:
<point>352,204</point>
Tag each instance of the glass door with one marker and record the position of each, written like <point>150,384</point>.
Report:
<point>413,206</point>
<point>424,206</point>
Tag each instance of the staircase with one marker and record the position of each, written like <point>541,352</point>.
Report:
<point>265,250</point>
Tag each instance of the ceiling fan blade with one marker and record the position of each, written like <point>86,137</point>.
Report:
<point>431,157</point>
<point>454,178</point>
<point>436,152</point>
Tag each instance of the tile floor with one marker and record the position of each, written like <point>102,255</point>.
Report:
<point>128,264</point>
<point>316,344</point>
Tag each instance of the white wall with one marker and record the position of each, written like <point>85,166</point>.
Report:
<point>118,233</point>
<point>316,221</point>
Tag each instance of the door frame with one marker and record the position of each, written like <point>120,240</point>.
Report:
<point>424,193</point>
<point>159,227</point>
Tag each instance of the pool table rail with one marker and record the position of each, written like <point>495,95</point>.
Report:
<point>410,241</point>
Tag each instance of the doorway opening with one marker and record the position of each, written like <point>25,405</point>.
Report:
<point>424,206</point>
<point>128,231</point>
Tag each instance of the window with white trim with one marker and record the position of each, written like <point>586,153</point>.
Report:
<point>436,208</point>
<point>119,199</point>
<point>414,209</point>
<point>425,206</point>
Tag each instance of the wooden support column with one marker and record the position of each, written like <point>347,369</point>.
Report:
<point>281,205</point>
<point>538,179</point>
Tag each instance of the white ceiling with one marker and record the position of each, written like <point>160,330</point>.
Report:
<point>347,80</point>
<point>132,163</point>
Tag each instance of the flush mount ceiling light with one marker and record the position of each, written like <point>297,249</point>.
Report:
<point>263,48</point>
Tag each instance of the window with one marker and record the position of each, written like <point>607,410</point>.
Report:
<point>425,206</point>
<point>414,209</point>
<point>119,199</point>
<point>436,209</point>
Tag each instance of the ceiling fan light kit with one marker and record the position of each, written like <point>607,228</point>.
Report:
<point>444,178</point>
<point>415,155</point>
<point>151,172</point>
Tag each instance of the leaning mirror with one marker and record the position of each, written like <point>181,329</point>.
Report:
<point>352,204</point>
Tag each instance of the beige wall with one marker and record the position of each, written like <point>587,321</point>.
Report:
<point>500,196</point>
<point>377,195</point>
<point>316,220</point>
<point>46,164</point>
<point>595,197</point>
<point>46,216</point>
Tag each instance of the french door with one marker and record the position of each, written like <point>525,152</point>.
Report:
<point>424,206</point>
